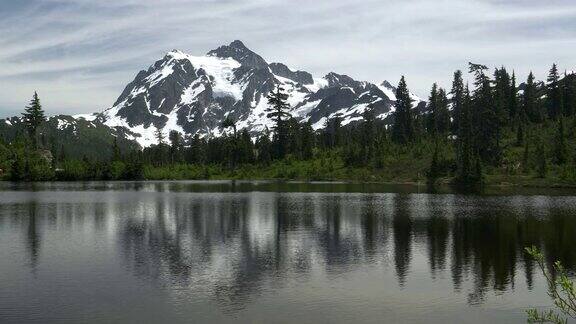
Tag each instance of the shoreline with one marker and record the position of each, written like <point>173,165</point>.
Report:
<point>443,186</point>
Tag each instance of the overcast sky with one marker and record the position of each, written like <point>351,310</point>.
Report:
<point>79,54</point>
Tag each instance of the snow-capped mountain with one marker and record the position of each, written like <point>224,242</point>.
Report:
<point>194,94</point>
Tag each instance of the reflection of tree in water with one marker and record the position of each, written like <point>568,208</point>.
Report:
<point>26,220</point>
<point>437,234</point>
<point>33,238</point>
<point>233,245</point>
<point>337,249</point>
<point>490,242</point>
<point>374,229</point>
<point>402,228</point>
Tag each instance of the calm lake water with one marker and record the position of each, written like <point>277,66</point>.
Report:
<point>258,252</point>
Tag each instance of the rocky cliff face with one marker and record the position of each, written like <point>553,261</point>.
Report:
<point>194,94</point>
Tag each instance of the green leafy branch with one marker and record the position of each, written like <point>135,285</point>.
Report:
<point>560,289</point>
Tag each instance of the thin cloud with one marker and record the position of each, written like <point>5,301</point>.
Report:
<point>79,54</point>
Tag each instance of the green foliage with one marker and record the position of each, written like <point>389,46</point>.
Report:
<point>5,159</point>
<point>561,290</point>
<point>434,172</point>
<point>116,170</point>
<point>28,164</point>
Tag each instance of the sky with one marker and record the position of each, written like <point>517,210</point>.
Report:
<point>80,54</point>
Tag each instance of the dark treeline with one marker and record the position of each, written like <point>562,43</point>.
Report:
<point>491,131</point>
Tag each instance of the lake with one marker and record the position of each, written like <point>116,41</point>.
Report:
<point>265,252</point>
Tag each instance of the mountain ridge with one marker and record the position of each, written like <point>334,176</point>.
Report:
<point>194,94</point>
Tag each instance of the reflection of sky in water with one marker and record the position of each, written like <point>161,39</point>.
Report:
<point>158,252</point>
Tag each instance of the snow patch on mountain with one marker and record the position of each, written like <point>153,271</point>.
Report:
<point>87,117</point>
<point>190,94</point>
<point>221,70</point>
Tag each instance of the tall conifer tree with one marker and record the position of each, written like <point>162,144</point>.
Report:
<point>529,101</point>
<point>442,113</point>
<point>431,125</point>
<point>554,93</point>
<point>560,146</point>
<point>487,134</point>
<point>569,87</point>
<point>33,117</point>
<point>465,147</point>
<point>278,111</point>
<point>513,101</point>
<point>457,101</point>
<point>403,128</point>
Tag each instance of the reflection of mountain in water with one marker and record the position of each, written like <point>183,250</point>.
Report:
<point>232,244</point>
<point>237,246</point>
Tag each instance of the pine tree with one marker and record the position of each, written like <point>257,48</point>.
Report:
<point>442,113</point>
<point>560,146</point>
<point>279,112</point>
<point>526,158</point>
<point>438,114</point>
<point>264,148</point>
<point>159,149</point>
<point>529,105</point>
<point>62,155</point>
<point>487,134</point>
<point>457,101</point>
<point>244,148</point>
<point>554,93</point>
<point>293,131</point>
<point>403,128</point>
<point>432,108</point>
<point>116,156</point>
<point>419,125</point>
<point>33,117</point>
<point>520,134</point>
<point>332,136</point>
<point>513,101</point>
<point>502,90</point>
<point>176,144</point>
<point>478,173</point>
<point>196,152</point>
<point>465,150</point>
<point>569,86</point>
<point>306,141</point>
<point>541,160</point>
<point>368,134</point>
<point>229,123</point>
<point>434,172</point>
<point>159,134</point>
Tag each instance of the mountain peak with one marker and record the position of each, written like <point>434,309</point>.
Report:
<point>387,84</point>
<point>175,53</point>
<point>239,52</point>
<point>238,44</point>
<point>335,79</point>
